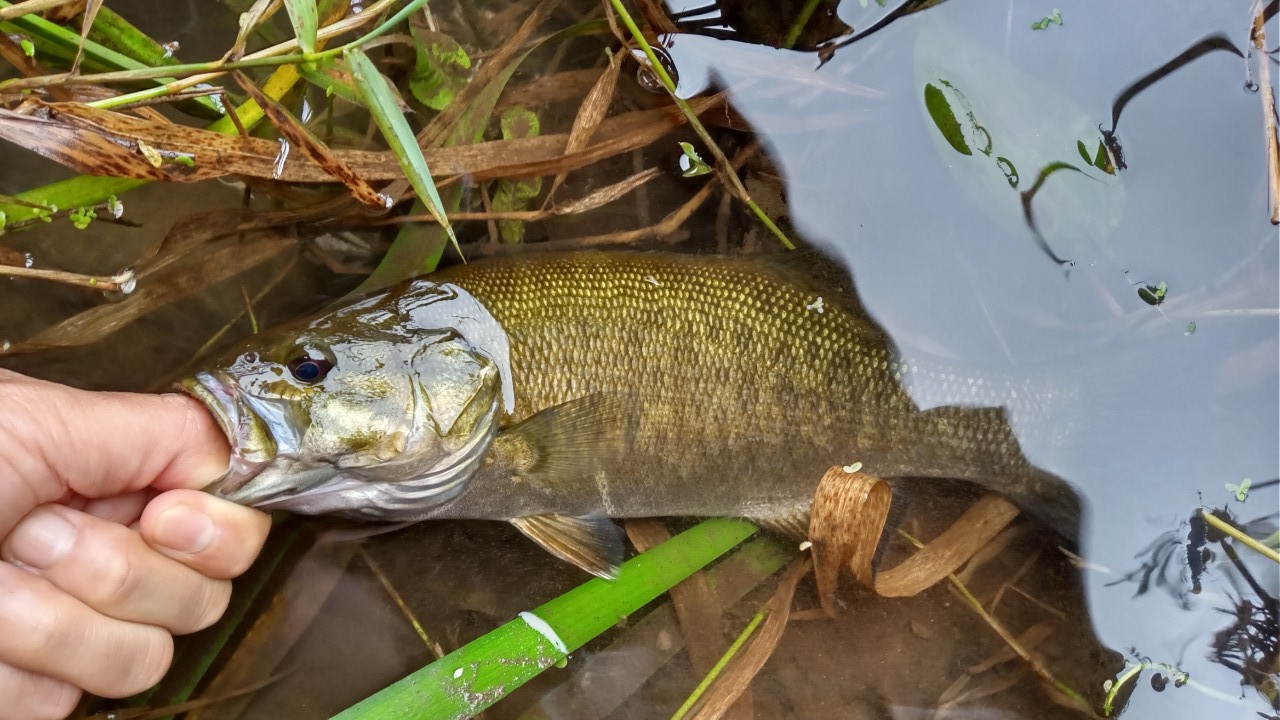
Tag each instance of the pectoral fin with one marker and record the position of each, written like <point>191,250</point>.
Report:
<point>591,542</point>
<point>566,442</point>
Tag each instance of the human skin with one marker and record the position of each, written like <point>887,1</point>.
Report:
<point>107,547</point>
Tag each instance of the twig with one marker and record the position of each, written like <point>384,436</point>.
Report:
<point>1229,529</point>
<point>1036,666</point>
<point>436,651</point>
<point>1259,37</point>
<point>720,665</point>
<point>30,6</point>
<point>124,281</point>
<point>733,182</point>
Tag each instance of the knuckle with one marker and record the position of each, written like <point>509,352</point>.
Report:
<point>118,572</point>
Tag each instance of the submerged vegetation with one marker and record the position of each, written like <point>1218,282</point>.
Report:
<point>378,140</point>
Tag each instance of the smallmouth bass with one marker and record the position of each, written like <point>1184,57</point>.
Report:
<point>553,391</point>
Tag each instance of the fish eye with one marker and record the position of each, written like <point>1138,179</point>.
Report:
<point>310,367</point>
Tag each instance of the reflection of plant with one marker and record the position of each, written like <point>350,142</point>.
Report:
<point>1250,644</point>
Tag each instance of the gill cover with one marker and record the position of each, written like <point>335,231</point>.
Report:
<point>420,381</point>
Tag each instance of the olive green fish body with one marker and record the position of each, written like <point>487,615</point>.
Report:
<point>749,380</point>
<point>553,390</point>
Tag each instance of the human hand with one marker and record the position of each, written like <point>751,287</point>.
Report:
<point>107,548</point>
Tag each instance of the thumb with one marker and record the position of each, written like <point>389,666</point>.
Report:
<point>57,440</point>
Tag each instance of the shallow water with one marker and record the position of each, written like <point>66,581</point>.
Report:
<point>1146,419</point>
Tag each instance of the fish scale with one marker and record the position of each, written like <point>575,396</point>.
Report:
<point>745,393</point>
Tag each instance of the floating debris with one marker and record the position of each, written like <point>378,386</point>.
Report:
<point>1054,19</point>
<point>690,163</point>
<point>1153,294</point>
<point>278,169</point>
<point>151,154</point>
<point>126,280</point>
<point>1241,491</point>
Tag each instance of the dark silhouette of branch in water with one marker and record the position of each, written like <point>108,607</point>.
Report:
<point>1217,41</point>
<point>828,51</point>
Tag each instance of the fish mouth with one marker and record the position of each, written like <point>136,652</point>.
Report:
<point>252,447</point>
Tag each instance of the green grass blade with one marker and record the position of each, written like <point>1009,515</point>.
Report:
<point>60,42</point>
<point>466,681</point>
<point>306,22</point>
<point>381,101</point>
<point>91,190</point>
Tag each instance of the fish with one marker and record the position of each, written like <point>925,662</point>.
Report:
<point>555,391</point>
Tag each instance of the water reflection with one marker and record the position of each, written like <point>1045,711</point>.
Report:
<point>1165,416</point>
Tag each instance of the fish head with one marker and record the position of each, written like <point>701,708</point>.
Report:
<point>377,409</point>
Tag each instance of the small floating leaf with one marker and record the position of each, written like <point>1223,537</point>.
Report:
<point>692,165</point>
<point>1241,491</point>
<point>81,217</point>
<point>1053,19</point>
<point>935,101</point>
<point>1191,328</point>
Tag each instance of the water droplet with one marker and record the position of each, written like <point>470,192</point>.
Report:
<point>28,260</point>
<point>278,169</point>
<point>646,77</point>
<point>127,279</point>
<point>5,345</point>
<point>1251,87</point>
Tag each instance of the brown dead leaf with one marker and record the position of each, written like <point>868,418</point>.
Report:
<point>258,13</point>
<point>745,665</point>
<point>594,107</point>
<point>302,138</point>
<point>947,552</point>
<point>846,521</point>
<point>100,142</point>
<point>90,12</point>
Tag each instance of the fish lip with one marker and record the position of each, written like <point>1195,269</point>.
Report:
<point>216,392</point>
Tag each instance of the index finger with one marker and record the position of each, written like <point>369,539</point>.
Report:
<point>56,440</point>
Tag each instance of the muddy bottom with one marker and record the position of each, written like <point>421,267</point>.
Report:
<point>930,655</point>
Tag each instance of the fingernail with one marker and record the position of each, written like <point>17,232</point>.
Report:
<point>40,540</point>
<point>184,528</point>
